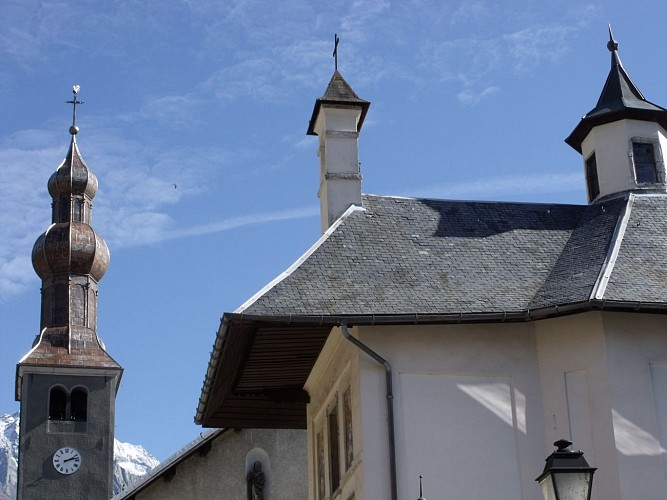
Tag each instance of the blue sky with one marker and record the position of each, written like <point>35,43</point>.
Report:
<point>470,100</point>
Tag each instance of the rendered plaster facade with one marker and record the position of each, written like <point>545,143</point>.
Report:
<point>478,406</point>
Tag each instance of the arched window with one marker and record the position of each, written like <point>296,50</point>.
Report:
<point>78,404</point>
<point>57,404</point>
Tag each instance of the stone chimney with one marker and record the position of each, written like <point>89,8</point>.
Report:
<point>337,119</point>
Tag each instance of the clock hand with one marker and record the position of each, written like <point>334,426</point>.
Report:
<point>70,459</point>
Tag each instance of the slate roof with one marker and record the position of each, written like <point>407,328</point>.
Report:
<point>407,260</point>
<point>411,256</point>
<point>418,256</point>
<point>639,269</point>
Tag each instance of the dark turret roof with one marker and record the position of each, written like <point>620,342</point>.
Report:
<point>338,93</point>
<point>620,99</point>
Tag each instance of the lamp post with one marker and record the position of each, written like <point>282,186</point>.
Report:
<point>566,475</point>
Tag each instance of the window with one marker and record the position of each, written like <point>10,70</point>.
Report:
<point>643,157</point>
<point>334,447</point>
<point>73,406</point>
<point>592,178</point>
<point>321,481</point>
<point>57,404</point>
<point>347,426</point>
<point>79,405</point>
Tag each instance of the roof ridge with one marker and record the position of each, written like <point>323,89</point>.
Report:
<point>481,202</point>
<point>600,287</point>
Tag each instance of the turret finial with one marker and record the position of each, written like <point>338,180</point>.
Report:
<point>335,52</point>
<point>612,44</point>
<point>75,90</point>
<point>421,490</point>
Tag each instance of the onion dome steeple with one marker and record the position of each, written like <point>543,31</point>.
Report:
<point>70,258</point>
<point>622,126</point>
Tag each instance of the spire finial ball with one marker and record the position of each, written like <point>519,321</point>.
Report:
<point>73,130</point>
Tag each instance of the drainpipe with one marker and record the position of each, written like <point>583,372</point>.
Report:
<point>390,404</point>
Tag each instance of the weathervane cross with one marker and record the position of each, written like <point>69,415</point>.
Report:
<point>335,52</point>
<point>74,102</point>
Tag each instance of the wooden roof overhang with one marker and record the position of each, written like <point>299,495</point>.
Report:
<point>257,372</point>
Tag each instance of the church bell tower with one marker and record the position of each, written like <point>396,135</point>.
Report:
<point>67,383</point>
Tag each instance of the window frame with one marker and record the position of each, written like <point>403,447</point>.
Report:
<point>658,161</point>
<point>75,414</point>
<point>61,415</point>
<point>333,437</point>
<point>67,411</point>
<point>591,167</point>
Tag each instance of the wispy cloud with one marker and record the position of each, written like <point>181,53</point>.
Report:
<point>530,46</point>
<point>240,50</point>
<point>470,98</point>
<point>241,221</point>
<point>470,12</point>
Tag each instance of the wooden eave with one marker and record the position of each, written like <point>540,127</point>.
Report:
<point>259,380</point>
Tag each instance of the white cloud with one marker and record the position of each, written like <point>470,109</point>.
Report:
<point>174,111</point>
<point>534,44</point>
<point>470,98</point>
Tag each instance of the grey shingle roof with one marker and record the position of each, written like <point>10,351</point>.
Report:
<point>639,269</point>
<point>574,276</point>
<point>419,256</point>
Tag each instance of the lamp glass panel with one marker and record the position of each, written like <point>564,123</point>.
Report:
<point>547,486</point>
<point>572,485</point>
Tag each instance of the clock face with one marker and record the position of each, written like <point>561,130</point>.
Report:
<point>67,460</point>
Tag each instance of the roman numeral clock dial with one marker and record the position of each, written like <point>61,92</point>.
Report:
<point>67,460</point>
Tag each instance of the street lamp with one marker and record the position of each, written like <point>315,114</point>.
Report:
<point>566,475</point>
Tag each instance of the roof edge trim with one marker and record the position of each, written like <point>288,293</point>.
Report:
<point>300,260</point>
<point>471,317</point>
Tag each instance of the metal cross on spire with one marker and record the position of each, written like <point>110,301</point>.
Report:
<point>612,44</point>
<point>335,52</point>
<point>75,90</point>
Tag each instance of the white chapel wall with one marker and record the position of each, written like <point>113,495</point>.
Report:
<point>467,410</point>
<point>637,350</point>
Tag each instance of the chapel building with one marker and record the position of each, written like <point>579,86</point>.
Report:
<point>458,340</point>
